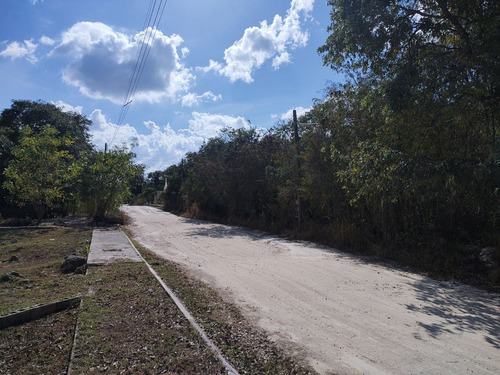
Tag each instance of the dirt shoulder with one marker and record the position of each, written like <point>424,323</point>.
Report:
<point>349,316</point>
<point>30,261</point>
<point>126,323</point>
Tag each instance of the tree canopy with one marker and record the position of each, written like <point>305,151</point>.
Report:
<point>40,171</point>
<point>106,179</point>
<point>401,160</point>
<point>36,116</point>
<point>48,163</point>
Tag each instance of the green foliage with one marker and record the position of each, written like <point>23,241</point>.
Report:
<point>156,180</point>
<point>106,179</point>
<point>231,178</point>
<point>40,170</point>
<point>173,200</point>
<point>54,168</point>
<point>151,185</point>
<point>424,155</point>
<point>400,39</point>
<point>401,159</point>
<point>36,116</point>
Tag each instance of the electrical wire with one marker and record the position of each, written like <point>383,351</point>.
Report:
<point>140,56</point>
<point>151,24</point>
<point>139,60</point>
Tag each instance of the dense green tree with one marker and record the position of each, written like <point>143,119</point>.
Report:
<point>36,115</point>
<point>40,171</point>
<point>435,64</point>
<point>173,199</point>
<point>426,73</point>
<point>156,180</point>
<point>231,177</point>
<point>453,39</point>
<point>203,181</point>
<point>137,186</point>
<point>153,183</point>
<point>105,180</point>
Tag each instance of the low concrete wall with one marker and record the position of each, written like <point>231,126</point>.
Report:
<point>37,312</point>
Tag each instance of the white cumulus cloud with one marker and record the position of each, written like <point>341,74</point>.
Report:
<point>301,111</point>
<point>212,66</point>
<point>161,147</point>
<point>209,125</point>
<point>65,107</point>
<point>265,42</point>
<point>102,62</point>
<point>192,99</point>
<point>47,41</point>
<point>16,50</point>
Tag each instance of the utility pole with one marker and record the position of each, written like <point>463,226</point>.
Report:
<point>297,168</point>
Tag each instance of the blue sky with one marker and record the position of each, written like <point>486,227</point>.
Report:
<point>212,64</point>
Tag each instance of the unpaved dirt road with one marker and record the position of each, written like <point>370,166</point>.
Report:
<point>348,316</point>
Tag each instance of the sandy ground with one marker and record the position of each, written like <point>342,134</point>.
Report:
<point>347,315</point>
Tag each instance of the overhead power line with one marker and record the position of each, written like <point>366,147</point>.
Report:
<point>154,14</point>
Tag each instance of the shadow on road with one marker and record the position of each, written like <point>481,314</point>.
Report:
<point>219,231</point>
<point>459,309</point>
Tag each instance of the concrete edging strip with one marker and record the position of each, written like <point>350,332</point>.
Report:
<point>73,345</point>
<point>229,368</point>
<point>38,311</point>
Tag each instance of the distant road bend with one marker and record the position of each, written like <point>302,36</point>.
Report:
<point>347,316</point>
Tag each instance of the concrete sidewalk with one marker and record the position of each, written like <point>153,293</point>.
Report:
<point>111,245</point>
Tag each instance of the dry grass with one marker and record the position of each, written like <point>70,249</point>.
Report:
<point>39,347</point>
<point>127,324</point>
<point>246,347</point>
<point>39,253</point>
<point>42,346</point>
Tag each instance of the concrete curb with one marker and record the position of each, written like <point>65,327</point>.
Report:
<point>69,371</point>
<point>230,370</point>
<point>37,312</point>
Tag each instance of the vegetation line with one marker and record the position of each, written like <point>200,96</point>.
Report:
<point>229,368</point>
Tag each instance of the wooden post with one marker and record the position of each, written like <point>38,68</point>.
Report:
<point>297,168</point>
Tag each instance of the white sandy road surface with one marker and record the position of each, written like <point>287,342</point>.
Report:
<point>348,316</point>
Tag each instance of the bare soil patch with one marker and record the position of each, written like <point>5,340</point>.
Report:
<point>34,276</point>
<point>39,347</point>
<point>30,274</point>
<point>127,325</point>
